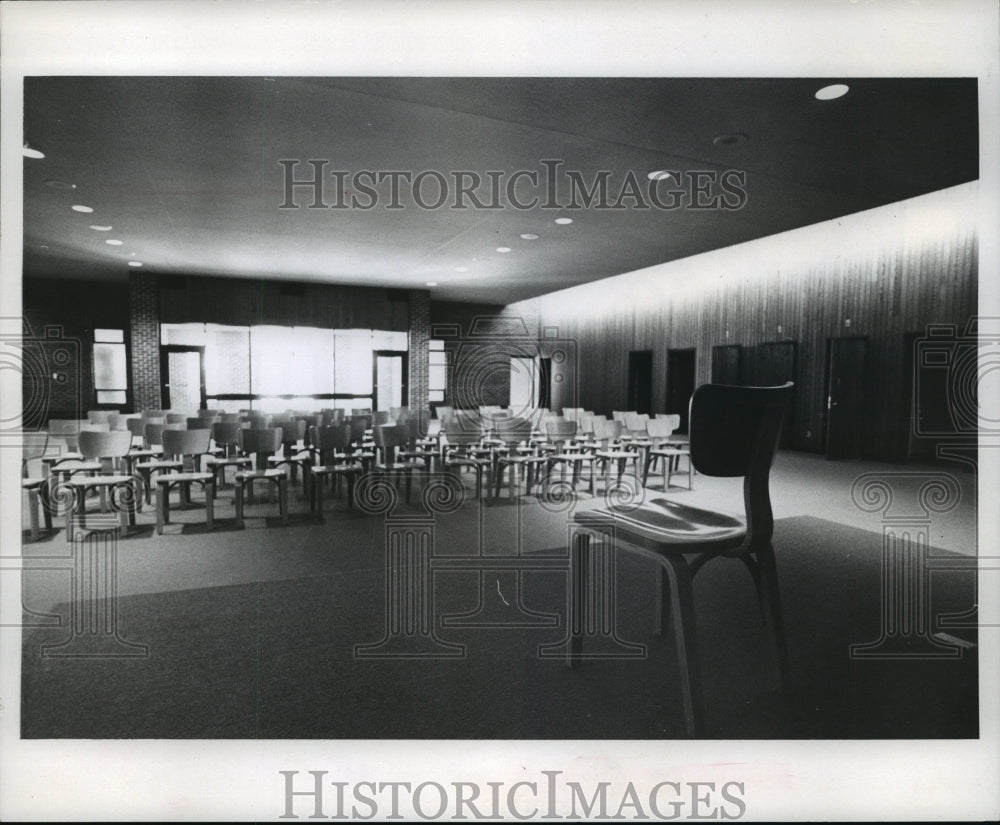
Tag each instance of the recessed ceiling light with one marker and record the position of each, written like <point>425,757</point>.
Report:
<point>32,153</point>
<point>432,283</point>
<point>80,208</point>
<point>461,269</point>
<point>98,228</point>
<point>564,221</point>
<point>135,263</point>
<point>732,139</point>
<point>62,185</point>
<point>114,242</point>
<point>529,236</point>
<point>503,249</point>
<point>832,92</point>
<point>660,174</point>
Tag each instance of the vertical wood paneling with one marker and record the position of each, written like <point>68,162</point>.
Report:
<point>889,271</point>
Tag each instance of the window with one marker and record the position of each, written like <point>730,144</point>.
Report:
<point>437,378</point>
<point>274,367</point>
<point>110,367</point>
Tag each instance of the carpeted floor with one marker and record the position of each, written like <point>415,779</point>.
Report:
<point>275,657</point>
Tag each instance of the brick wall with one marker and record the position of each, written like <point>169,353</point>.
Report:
<point>144,340</point>
<point>419,360</point>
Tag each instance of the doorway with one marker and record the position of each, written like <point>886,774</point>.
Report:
<point>727,364</point>
<point>776,365</point>
<point>182,373</point>
<point>390,379</point>
<point>845,396</point>
<point>680,384</point>
<point>640,381</point>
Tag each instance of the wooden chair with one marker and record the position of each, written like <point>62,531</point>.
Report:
<point>332,457</point>
<point>183,446</point>
<point>734,433</point>
<point>101,416</point>
<point>391,441</point>
<point>462,450</point>
<point>512,434</point>
<point>109,450</point>
<point>660,431</point>
<point>150,459</point>
<point>566,452</point>
<point>291,456</point>
<point>608,451</point>
<point>35,446</point>
<point>261,443</point>
<point>225,436</point>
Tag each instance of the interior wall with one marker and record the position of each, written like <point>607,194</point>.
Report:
<point>60,317</point>
<point>879,274</point>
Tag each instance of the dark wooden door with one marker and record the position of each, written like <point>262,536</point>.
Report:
<point>845,406</point>
<point>776,365</point>
<point>680,384</point>
<point>727,364</point>
<point>640,381</point>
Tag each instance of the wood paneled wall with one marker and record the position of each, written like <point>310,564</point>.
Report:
<point>248,302</point>
<point>879,274</point>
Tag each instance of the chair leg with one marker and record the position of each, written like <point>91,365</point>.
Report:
<point>210,504</point>
<point>162,497</point>
<point>577,620</point>
<point>239,502</point>
<point>771,607</point>
<point>685,637</point>
<point>33,513</point>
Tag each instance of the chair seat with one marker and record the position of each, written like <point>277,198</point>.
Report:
<point>100,481</point>
<point>145,453</point>
<point>175,478</point>
<point>79,465</point>
<point>158,465</point>
<point>670,526</point>
<point>247,474</point>
<point>327,469</point>
<point>615,454</point>
<point>229,462</point>
<point>31,483</point>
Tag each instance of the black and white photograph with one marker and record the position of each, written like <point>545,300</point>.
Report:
<point>511,411</point>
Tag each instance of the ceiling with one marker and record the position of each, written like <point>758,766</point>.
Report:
<point>186,172</point>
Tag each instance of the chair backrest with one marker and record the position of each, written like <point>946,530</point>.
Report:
<point>178,443</point>
<point>229,418</point>
<point>459,436</point>
<point>735,432</point>
<point>263,441</point>
<point>258,420</point>
<point>673,418</point>
<point>65,426</point>
<point>380,417</point>
<point>390,435</point>
<point>330,437</point>
<point>136,426</point>
<point>560,429</point>
<point>209,413</point>
<point>153,433</point>
<point>618,415</point>
<point>605,430</point>
<point>94,445</point>
<point>100,416</point>
<point>226,433</point>
<point>572,413</point>
<point>585,423</point>
<point>659,428</point>
<point>441,412</point>
<point>332,415</point>
<point>177,418</point>
<point>155,413</point>
<point>358,425</point>
<point>513,430</point>
<point>636,422</point>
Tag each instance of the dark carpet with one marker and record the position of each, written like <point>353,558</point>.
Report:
<point>276,659</point>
